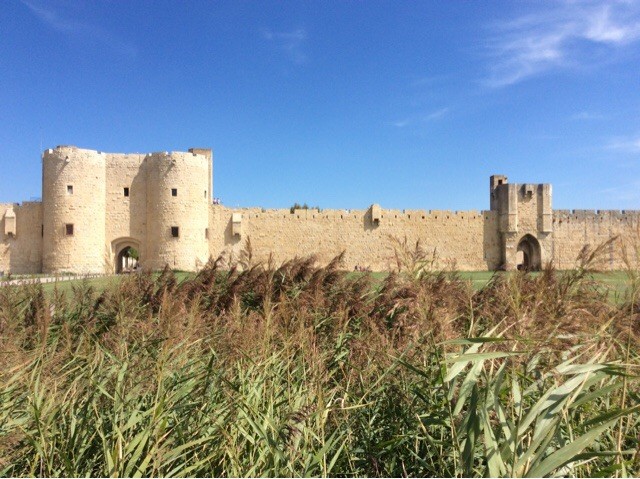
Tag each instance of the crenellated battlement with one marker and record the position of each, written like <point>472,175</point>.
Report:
<point>313,213</point>
<point>98,206</point>
<point>597,215</point>
<point>72,152</point>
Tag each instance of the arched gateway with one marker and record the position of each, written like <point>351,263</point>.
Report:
<point>127,254</point>
<point>127,260</point>
<point>528,254</point>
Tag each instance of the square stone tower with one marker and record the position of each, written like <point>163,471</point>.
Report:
<point>525,222</point>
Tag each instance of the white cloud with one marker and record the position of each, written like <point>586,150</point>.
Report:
<point>401,123</point>
<point>558,38</point>
<point>601,27</point>
<point>587,115</point>
<point>418,119</point>
<point>70,26</point>
<point>291,42</point>
<point>52,19</point>
<point>429,80</point>
<point>629,145</point>
<point>434,115</point>
<point>629,192</point>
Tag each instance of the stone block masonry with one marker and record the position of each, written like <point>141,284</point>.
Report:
<point>97,206</point>
<point>465,239</point>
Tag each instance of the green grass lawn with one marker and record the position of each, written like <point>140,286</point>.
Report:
<point>99,284</point>
<point>616,281</point>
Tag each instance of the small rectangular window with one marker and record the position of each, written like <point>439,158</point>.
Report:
<point>126,191</point>
<point>175,231</point>
<point>174,191</point>
<point>205,193</point>
<point>69,189</point>
<point>68,228</point>
<point>206,233</point>
<point>42,230</point>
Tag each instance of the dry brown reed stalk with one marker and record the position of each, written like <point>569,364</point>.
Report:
<point>629,323</point>
<point>412,259</point>
<point>302,369</point>
<point>552,308</point>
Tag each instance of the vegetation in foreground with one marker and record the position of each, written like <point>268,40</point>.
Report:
<point>305,371</point>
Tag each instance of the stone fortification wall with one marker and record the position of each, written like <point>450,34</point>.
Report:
<point>21,253</point>
<point>575,228</point>
<point>95,205</point>
<point>186,173</point>
<point>73,193</point>
<point>468,240</point>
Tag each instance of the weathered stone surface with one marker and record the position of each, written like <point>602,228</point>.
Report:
<point>115,201</point>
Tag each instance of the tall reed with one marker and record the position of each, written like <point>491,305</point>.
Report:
<point>298,370</point>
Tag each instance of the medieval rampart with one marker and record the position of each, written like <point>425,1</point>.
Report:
<point>21,253</point>
<point>573,229</point>
<point>98,206</point>
<point>463,239</point>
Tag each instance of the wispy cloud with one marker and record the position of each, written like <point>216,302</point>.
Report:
<point>401,123</point>
<point>429,80</point>
<point>52,19</point>
<point>434,115</point>
<point>420,119</point>
<point>628,144</point>
<point>71,26</point>
<point>559,38</point>
<point>292,43</point>
<point>629,192</point>
<point>587,115</point>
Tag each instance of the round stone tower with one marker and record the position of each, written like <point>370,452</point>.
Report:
<point>177,210</point>
<point>73,201</point>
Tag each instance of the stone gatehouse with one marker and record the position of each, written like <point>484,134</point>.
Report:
<point>96,207</point>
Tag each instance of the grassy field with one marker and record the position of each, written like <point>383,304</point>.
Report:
<point>302,370</point>
<point>615,282</point>
<point>98,284</point>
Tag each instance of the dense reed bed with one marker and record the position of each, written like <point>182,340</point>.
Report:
<point>299,370</point>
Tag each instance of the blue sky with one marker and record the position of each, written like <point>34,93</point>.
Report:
<point>337,104</point>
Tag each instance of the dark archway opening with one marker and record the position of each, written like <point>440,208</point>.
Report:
<point>127,260</point>
<point>528,256</point>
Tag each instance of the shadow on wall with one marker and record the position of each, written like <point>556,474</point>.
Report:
<point>16,266</point>
<point>491,247</point>
<point>22,258</point>
<point>229,237</point>
<point>23,252</point>
<point>138,211</point>
<point>367,221</point>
